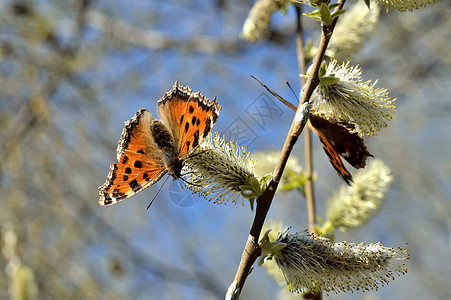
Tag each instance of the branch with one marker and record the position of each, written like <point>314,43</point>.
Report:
<point>81,9</point>
<point>252,251</point>
<point>309,191</point>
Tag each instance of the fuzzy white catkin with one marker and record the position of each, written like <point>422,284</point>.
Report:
<point>404,5</point>
<point>256,26</point>
<point>353,30</point>
<point>353,101</point>
<point>218,170</point>
<point>352,206</point>
<point>292,176</point>
<point>308,262</point>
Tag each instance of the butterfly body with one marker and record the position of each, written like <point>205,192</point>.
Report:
<point>166,144</point>
<point>150,148</point>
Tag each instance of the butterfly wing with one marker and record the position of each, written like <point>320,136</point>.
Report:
<point>140,161</point>
<point>189,116</point>
<point>337,138</point>
<point>340,139</point>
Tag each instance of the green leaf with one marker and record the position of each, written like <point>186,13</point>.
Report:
<point>255,184</point>
<point>332,6</point>
<point>324,90</point>
<point>338,13</point>
<point>322,70</point>
<point>328,80</point>
<point>251,203</point>
<point>314,15</point>
<point>324,13</point>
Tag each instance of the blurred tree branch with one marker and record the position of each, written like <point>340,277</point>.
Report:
<point>44,131</point>
<point>159,41</point>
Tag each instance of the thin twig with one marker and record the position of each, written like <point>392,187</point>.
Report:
<point>309,191</point>
<point>308,187</point>
<point>252,251</point>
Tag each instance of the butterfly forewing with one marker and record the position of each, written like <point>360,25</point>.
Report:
<point>140,161</point>
<point>190,116</point>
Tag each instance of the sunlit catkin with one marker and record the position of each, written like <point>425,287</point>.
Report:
<point>221,171</point>
<point>353,30</point>
<point>404,5</point>
<point>309,263</point>
<point>256,26</point>
<point>352,100</point>
<point>352,206</point>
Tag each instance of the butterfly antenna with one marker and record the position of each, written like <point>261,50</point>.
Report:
<point>287,103</point>
<point>291,89</point>
<point>161,186</point>
<point>196,153</point>
<point>187,182</point>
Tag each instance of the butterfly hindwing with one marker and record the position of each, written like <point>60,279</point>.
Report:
<point>339,139</point>
<point>140,161</point>
<point>336,161</point>
<point>189,115</point>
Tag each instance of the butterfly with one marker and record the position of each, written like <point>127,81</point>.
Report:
<point>339,140</point>
<point>149,148</point>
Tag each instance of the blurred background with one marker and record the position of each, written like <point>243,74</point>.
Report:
<point>71,73</point>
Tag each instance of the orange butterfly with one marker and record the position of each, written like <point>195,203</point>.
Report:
<point>150,148</point>
<point>337,138</point>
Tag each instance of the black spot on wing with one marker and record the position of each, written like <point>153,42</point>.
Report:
<point>207,127</point>
<point>125,177</point>
<point>138,164</point>
<point>196,139</point>
<point>191,109</point>
<point>193,120</point>
<point>134,185</point>
<point>124,159</point>
<point>140,151</point>
<point>186,126</point>
<point>118,195</point>
<point>128,170</point>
